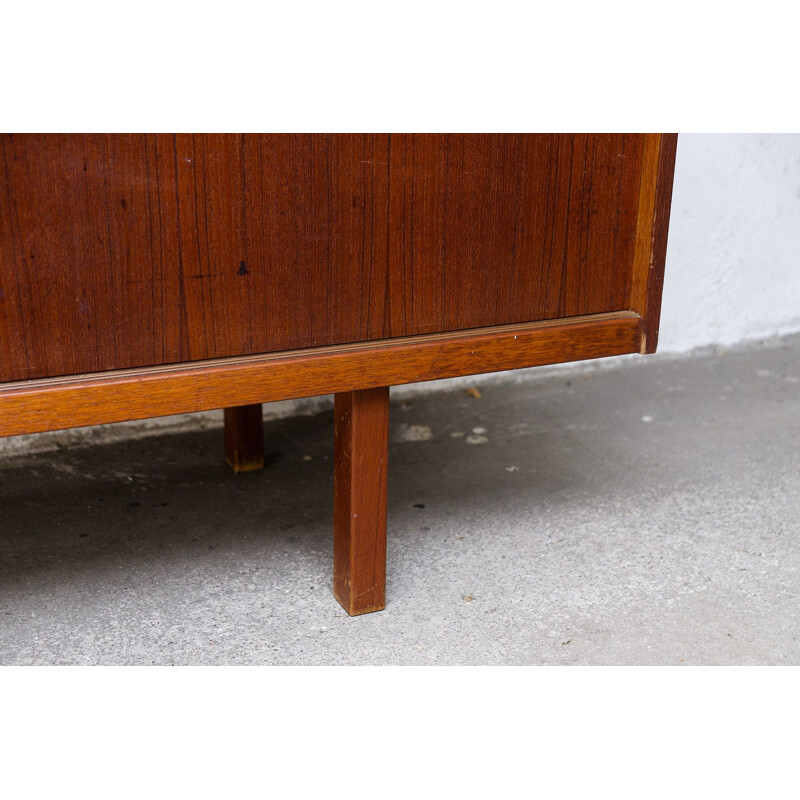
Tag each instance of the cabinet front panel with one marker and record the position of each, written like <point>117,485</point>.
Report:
<point>121,251</point>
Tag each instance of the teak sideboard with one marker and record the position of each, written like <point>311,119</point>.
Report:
<point>145,275</point>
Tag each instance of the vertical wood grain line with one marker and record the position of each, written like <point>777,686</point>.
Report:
<point>203,276</point>
<point>386,329</point>
<point>115,291</point>
<point>98,325</point>
<point>185,342</point>
<point>18,257</point>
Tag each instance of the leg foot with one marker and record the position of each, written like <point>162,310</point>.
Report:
<point>244,438</point>
<point>360,485</point>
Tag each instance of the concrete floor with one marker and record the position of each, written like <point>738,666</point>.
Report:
<point>645,514</point>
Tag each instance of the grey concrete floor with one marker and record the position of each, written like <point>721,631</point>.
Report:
<point>645,514</point>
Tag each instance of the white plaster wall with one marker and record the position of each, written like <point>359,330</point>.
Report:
<point>733,257</point>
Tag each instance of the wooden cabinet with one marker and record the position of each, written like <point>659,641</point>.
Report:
<point>143,275</point>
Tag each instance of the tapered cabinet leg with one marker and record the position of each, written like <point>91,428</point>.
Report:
<point>244,438</point>
<point>360,484</point>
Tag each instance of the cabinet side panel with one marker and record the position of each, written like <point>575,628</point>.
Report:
<point>506,228</point>
<point>127,250</point>
<point>122,251</point>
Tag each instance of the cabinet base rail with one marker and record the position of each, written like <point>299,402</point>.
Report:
<point>359,375</point>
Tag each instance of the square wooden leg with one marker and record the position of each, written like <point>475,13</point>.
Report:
<point>244,438</point>
<point>360,486</point>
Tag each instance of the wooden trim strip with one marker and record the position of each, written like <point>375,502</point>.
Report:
<point>658,252</point>
<point>644,223</point>
<point>55,403</point>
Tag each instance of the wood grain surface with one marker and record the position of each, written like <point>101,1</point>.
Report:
<point>360,486</point>
<point>120,251</point>
<point>51,404</point>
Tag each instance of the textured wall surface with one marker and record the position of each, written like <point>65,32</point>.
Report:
<point>733,261</point>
